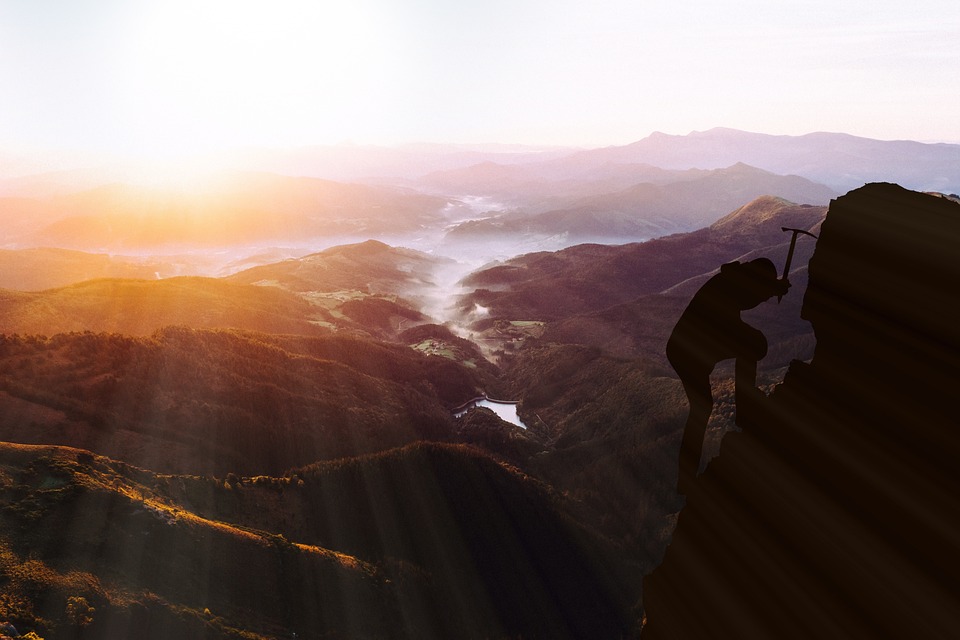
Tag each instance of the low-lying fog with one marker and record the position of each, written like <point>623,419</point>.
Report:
<point>461,255</point>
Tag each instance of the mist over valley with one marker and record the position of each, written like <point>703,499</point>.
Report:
<point>234,407</point>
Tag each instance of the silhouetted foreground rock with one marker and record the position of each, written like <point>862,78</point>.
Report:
<point>833,514</point>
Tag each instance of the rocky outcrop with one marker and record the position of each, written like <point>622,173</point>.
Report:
<point>833,513</point>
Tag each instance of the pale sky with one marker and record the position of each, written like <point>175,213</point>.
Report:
<point>174,76</point>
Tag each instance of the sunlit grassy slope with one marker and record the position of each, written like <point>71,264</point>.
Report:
<point>140,307</point>
<point>369,267</point>
<point>368,287</point>
<point>74,525</point>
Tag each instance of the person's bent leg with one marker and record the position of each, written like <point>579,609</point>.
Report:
<point>691,446</point>
<point>746,395</point>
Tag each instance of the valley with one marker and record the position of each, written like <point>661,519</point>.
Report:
<point>231,411</point>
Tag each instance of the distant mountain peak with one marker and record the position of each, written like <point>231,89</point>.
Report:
<point>367,246</point>
<point>839,160</point>
<point>718,131</point>
<point>743,167</point>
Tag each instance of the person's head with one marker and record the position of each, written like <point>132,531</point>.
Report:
<point>753,282</point>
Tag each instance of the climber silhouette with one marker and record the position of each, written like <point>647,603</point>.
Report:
<point>711,330</point>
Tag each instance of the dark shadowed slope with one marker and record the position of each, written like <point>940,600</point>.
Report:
<point>501,558</point>
<point>146,566</point>
<point>832,514</point>
<point>425,542</point>
<point>587,278</point>
<point>595,385</point>
<point>641,326</point>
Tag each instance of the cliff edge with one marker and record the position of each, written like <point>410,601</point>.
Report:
<point>833,513</point>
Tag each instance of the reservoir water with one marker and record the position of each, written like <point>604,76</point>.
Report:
<point>506,410</point>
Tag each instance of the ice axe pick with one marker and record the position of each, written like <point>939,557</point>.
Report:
<point>793,245</point>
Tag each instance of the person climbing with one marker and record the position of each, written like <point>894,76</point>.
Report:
<point>711,330</point>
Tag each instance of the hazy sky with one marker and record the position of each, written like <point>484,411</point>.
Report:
<point>185,75</point>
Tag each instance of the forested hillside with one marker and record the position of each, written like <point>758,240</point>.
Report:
<point>299,416</point>
<point>194,401</point>
<point>424,541</point>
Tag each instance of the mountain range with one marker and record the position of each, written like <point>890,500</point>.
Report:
<point>590,278</point>
<point>578,335</point>
<point>648,210</point>
<point>599,191</point>
<point>274,449</point>
<point>223,428</point>
<point>838,160</point>
<point>369,288</point>
<point>238,208</point>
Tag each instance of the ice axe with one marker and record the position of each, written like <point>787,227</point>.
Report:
<point>793,245</point>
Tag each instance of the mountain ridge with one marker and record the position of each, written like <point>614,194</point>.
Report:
<point>370,266</point>
<point>588,278</point>
<point>237,208</point>
<point>140,307</point>
<point>840,160</point>
<point>648,210</point>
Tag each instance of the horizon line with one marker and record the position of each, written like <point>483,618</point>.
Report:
<point>27,148</point>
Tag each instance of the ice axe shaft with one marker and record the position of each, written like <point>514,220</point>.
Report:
<point>793,245</point>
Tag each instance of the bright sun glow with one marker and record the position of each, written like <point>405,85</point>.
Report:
<point>203,71</point>
<point>162,79</point>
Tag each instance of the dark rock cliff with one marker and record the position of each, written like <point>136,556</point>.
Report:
<point>834,512</point>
